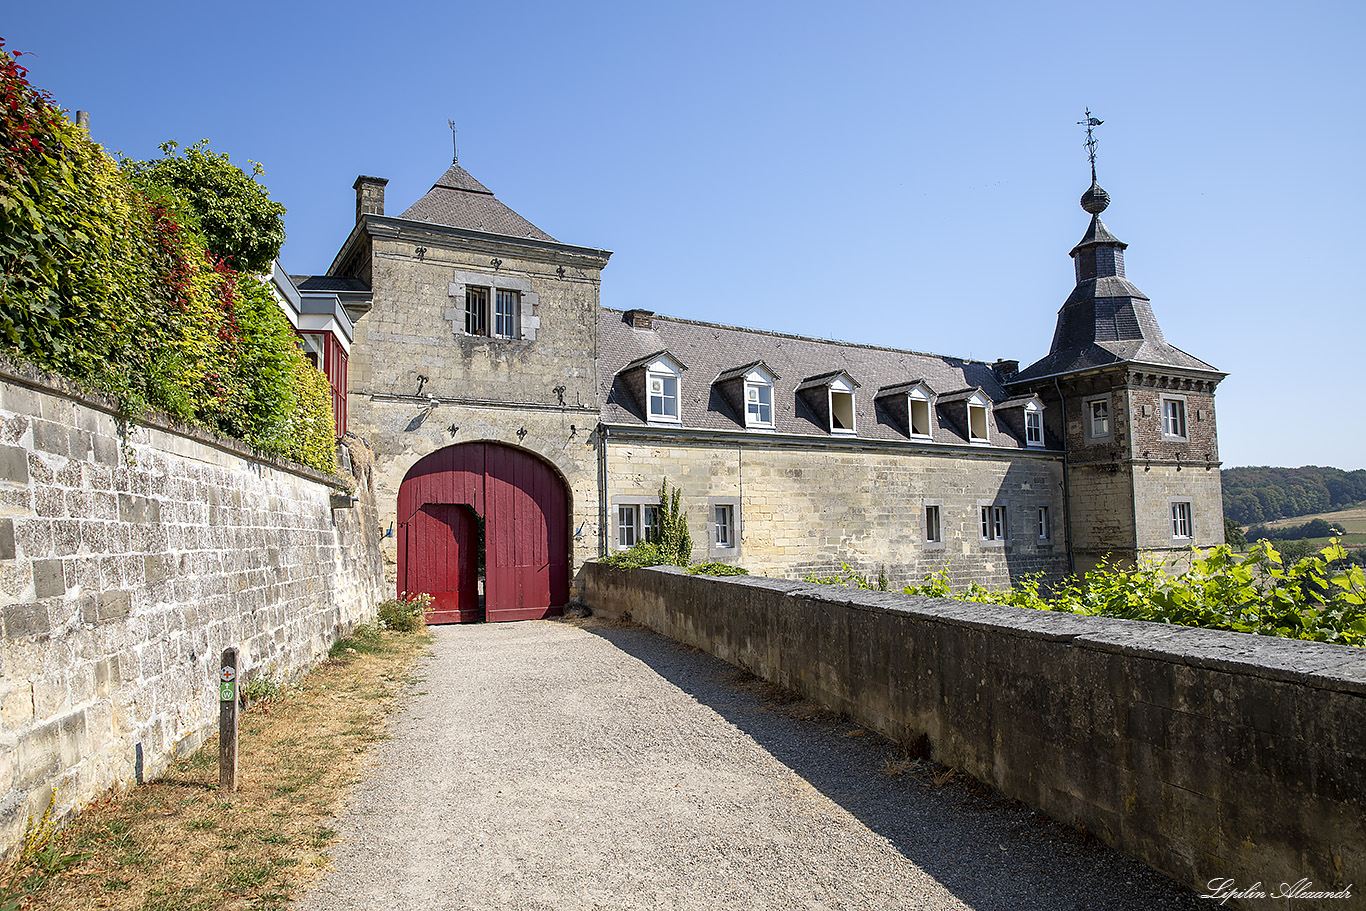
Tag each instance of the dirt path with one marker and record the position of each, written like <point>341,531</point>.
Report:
<point>545,766</point>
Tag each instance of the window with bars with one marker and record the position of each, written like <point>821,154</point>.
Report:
<point>1045,524</point>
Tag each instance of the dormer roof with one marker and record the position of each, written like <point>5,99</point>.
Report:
<point>648,359</point>
<point>827,379</point>
<point>906,389</point>
<point>737,373</point>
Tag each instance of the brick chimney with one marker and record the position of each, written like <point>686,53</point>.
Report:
<point>369,195</point>
<point>640,319</point>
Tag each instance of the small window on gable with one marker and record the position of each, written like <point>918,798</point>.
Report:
<point>1033,416</point>
<point>977,419</point>
<point>758,398</point>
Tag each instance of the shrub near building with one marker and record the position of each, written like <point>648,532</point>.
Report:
<point>107,278</point>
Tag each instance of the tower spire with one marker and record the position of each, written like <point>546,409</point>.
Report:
<point>455,146</point>
<point>1094,200</point>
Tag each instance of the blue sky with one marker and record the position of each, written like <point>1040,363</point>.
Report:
<point>903,174</point>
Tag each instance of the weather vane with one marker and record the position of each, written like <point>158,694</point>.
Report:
<point>455,144</point>
<point>1091,123</point>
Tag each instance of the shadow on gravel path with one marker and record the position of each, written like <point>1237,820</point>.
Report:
<point>991,853</point>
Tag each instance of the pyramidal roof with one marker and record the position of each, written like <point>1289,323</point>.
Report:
<point>457,200</point>
<point>1106,319</point>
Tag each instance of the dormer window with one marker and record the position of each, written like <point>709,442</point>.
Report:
<point>919,407</point>
<point>911,408</point>
<point>758,405</point>
<point>663,395</point>
<point>831,396</point>
<point>656,383</point>
<point>749,391</point>
<point>977,419</point>
<point>841,410</point>
<point>1033,425</point>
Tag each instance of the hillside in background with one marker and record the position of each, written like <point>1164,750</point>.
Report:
<point>1263,494</point>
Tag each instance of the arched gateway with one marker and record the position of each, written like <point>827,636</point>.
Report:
<point>524,505</point>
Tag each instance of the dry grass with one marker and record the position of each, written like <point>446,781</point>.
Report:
<point>179,843</point>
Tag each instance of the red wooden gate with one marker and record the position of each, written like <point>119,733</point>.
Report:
<point>442,543</point>
<point>525,506</point>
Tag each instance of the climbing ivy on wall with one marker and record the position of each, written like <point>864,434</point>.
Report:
<point>110,277</point>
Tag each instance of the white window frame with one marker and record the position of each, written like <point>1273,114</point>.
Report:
<point>1177,404</point>
<point>920,400</point>
<point>1089,419</point>
<point>1044,515</point>
<point>505,307</point>
<point>994,523</point>
<point>665,371</point>
<point>979,411</point>
<point>1181,514</point>
<point>1033,421</point>
<point>628,526</point>
<point>485,313</point>
<point>733,527</point>
<point>755,391</point>
<point>842,388</point>
<point>932,523</point>
<point>637,508</point>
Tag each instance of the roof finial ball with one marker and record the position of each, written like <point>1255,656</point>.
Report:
<point>1095,200</point>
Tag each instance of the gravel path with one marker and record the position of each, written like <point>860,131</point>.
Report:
<point>543,765</point>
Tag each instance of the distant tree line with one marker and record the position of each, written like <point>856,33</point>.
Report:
<point>1263,494</point>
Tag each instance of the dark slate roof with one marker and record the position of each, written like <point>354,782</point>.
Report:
<point>328,283</point>
<point>711,350</point>
<point>459,201</point>
<point>1106,320</point>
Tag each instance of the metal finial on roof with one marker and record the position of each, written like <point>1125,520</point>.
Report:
<point>1094,200</point>
<point>455,145</point>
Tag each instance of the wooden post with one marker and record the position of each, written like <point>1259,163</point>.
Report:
<point>227,722</point>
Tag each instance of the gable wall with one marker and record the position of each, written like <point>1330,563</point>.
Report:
<point>487,388</point>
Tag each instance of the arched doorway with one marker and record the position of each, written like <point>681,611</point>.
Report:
<point>524,505</point>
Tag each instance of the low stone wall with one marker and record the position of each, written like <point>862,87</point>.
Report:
<point>131,555</point>
<point>1208,755</point>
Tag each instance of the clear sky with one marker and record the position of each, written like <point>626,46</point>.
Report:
<point>904,174</point>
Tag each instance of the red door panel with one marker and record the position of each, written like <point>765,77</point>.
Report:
<point>525,506</point>
<point>446,561</point>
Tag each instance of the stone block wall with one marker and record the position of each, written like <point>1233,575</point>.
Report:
<point>1207,755</point>
<point>808,509</point>
<point>131,555</point>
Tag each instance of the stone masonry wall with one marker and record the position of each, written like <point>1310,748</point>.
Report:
<point>1207,755</point>
<point>807,508</point>
<point>131,555</point>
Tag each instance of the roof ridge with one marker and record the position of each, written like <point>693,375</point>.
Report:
<point>807,338</point>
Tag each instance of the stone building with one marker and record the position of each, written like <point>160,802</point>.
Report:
<point>521,429</point>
